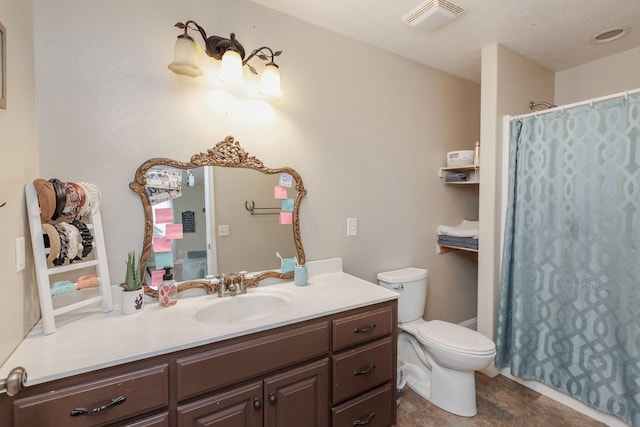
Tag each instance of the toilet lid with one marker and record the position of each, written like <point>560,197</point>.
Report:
<point>455,337</point>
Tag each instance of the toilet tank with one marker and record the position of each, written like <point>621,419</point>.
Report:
<point>411,286</point>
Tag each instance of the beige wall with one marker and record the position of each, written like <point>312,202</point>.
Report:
<point>19,308</point>
<point>366,129</point>
<point>509,82</point>
<point>606,76</point>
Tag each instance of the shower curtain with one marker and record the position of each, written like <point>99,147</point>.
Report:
<point>569,311</point>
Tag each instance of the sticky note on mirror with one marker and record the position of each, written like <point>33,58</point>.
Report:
<point>164,260</point>
<point>279,192</point>
<point>156,277</point>
<point>285,180</point>
<point>173,231</point>
<point>286,218</point>
<point>161,245</point>
<point>287,205</point>
<point>163,215</point>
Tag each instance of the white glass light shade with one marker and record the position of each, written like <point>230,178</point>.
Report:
<point>231,67</point>
<point>270,81</point>
<point>185,60</point>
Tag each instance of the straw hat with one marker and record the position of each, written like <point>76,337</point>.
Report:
<point>46,198</point>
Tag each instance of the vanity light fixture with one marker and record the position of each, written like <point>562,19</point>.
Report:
<point>232,55</point>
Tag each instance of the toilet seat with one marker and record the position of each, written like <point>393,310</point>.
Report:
<point>456,338</point>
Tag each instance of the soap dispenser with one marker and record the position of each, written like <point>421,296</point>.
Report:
<point>168,289</point>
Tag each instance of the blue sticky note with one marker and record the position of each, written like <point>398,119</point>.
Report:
<point>164,260</point>
<point>287,265</point>
<point>287,205</point>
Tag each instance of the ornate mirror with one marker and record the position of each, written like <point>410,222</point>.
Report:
<point>221,212</point>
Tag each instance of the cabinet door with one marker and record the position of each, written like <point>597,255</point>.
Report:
<point>160,420</point>
<point>240,407</point>
<point>298,397</point>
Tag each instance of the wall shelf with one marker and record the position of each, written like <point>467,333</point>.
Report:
<point>442,249</point>
<point>473,170</point>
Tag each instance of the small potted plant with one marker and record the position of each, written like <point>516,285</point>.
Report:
<point>133,295</point>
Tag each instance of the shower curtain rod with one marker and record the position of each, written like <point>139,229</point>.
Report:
<point>591,101</point>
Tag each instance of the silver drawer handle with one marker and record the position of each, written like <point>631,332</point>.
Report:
<point>365,371</point>
<point>366,420</point>
<point>83,411</point>
<point>368,328</point>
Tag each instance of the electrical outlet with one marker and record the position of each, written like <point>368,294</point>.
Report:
<point>352,226</point>
<point>223,230</point>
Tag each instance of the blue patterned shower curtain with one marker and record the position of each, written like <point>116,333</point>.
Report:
<point>569,312</point>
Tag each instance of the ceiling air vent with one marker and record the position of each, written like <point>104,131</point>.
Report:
<point>432,14</point>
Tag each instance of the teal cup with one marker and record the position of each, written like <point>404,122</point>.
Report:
<point>300,275</point>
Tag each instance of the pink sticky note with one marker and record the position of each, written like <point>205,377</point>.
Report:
<point>164,215</point>
<point>286,217</point>
<point>173,231</point>
<point>161,245</point>
<point>280,192</point>
<point>156,277</point>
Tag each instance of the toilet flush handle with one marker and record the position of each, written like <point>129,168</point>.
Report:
<point>399,287</point>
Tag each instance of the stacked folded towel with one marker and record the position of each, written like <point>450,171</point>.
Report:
<point>464,229</point>
<point>464,235</point>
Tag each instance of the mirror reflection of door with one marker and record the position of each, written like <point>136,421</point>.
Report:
<point>253,240</point>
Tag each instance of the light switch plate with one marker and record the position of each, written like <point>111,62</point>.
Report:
<point>223,230</point>
<point>20,255</point>
<point>352,226</point>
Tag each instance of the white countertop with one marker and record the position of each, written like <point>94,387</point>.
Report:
<point>88,339</point>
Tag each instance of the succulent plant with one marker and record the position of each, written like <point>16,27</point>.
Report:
<point>134,277</point>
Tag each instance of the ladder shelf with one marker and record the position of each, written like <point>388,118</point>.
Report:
<point>44,272</point>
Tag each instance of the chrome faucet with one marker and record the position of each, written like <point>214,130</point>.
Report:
<point>237,283</point>
<point>235,286</point>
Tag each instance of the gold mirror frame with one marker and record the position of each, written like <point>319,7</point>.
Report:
<point>226,153</point>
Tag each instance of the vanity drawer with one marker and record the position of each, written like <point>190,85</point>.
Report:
<point>233,363</point>
<point>360,369</point>
<point>145,390</point>
<point>373,409</point>
<point>362,327</point>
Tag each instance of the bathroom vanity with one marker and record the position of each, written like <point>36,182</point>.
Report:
<point>281,355</point>
<point>327,358</point>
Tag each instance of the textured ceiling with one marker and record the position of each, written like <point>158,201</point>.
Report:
<point>553,33</point>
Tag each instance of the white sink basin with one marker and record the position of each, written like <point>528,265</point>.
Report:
<point>256,304</point>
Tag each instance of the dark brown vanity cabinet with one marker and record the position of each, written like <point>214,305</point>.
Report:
<point>297,397</point>
<point>364,368</point>
<point>338,370</point>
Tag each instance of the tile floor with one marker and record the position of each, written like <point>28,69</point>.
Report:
<point>501,403</point>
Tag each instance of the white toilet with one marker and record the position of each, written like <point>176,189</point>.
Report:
<point>438,358</point>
